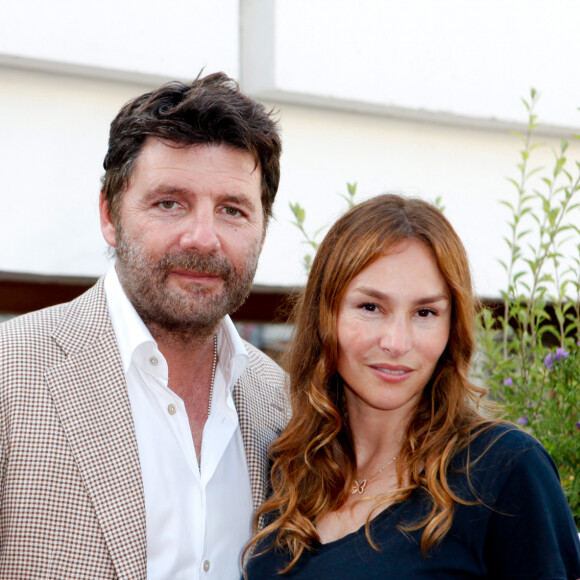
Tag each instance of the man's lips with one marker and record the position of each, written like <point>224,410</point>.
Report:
<point>196,276</point>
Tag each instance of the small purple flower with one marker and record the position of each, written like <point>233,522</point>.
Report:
<point>578,425</point>
<point>550,358</point>
<point>508,382</point>
<point>523,421</point>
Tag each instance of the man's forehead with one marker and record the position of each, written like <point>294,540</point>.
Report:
<point>169,158</point>
<point>153,143</point>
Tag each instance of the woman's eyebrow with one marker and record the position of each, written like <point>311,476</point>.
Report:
<point>379,295</point>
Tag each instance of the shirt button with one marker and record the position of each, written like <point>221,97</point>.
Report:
<point>153,361</point>
<point>171,409</point>
<point>206,566</point>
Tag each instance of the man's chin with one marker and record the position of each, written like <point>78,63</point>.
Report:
<point>184,324</point>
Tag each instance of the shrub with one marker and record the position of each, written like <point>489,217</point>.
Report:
<point>530,353</point>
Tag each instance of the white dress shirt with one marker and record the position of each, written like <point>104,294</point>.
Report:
<point>198,517</point>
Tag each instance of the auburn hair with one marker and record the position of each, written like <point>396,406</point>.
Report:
<point>313,459</point>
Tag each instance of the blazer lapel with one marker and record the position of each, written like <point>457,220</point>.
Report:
<point>91,399</point>
<point>263,413</point>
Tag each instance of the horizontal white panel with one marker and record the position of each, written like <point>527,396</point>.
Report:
<point>452,61</point>
<point>122,38</point>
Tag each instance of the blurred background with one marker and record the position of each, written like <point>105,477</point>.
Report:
<point>418,97</point>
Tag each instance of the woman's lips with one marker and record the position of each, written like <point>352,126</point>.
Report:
<point>392,373</point>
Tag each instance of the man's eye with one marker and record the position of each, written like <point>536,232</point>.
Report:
<point>231,211</point>
<point>168,204</point>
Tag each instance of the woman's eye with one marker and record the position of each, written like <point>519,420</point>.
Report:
<point>369,307</point>
<point>425,312</point>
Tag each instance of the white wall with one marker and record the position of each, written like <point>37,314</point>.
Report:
<point>446,60</point>
<point>53,141</point>
<point>466,167</point>
<point>125,39</point>
<point>413,96</point>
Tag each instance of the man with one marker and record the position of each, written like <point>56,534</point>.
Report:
<point>134,422</point>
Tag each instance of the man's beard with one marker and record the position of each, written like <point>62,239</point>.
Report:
<point>192,311</point>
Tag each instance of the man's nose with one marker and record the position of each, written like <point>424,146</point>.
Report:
<point>200,232</point>
<point>395,336</point>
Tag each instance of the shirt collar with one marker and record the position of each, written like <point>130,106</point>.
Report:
<point>130,330</point>
<point>131,333</point>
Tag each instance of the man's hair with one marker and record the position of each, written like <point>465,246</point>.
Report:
<point>209,111</point>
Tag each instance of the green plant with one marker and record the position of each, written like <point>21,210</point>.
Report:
<point>530,353</point>
<point>299,214</point>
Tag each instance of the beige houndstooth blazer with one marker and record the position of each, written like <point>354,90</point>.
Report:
<point>71,496</point>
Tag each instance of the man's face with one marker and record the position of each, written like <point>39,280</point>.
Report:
<point>188,235</point>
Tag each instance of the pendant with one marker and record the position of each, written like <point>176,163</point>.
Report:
<point>359,487</point>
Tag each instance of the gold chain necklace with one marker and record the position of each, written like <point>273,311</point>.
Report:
<point>212,374</point>
<point>360,486</point>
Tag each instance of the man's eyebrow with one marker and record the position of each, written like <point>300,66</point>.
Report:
<point>165,190</point>
<point>238,199</point>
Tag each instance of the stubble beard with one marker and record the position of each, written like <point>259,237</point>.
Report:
<point>191,312</point>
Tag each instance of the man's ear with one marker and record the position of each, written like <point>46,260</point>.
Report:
<point>107,225</point>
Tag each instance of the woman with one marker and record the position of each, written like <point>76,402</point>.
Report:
<point>388,467</point>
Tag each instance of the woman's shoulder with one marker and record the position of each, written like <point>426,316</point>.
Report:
<point>501,438</point>
<point>500,450</point>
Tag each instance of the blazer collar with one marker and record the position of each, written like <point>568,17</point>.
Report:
<point>90,396</point>
<point>263,413</point>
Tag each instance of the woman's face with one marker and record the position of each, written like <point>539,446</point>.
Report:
<point>393,325</point>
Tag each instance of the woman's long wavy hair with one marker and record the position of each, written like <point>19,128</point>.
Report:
<point>313,460</point>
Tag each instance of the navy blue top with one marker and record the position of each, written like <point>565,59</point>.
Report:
<point>522,526</point>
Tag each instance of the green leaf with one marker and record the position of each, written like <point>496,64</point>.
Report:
<point>514,182</point>
<point>299,212</point>
<point>533,171</point>
<point>559,165</point>
<point>508,205</point>
<point>526,104</point>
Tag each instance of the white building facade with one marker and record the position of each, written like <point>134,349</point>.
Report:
<point>416,97</point>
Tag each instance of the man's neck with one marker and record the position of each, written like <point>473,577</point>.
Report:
<point>191,365</point>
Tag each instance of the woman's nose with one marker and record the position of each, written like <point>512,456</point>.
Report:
<point>395,337</point>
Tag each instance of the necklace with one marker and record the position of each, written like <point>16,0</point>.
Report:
<point>212,374</point>
<point>360,486</point>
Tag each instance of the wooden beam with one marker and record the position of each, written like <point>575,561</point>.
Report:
<point>21,293</point>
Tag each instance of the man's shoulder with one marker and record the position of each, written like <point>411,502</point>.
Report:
<point>33,324</point>
<point>39,326</point>
<point>263,366</point>
<point>261,390</point>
